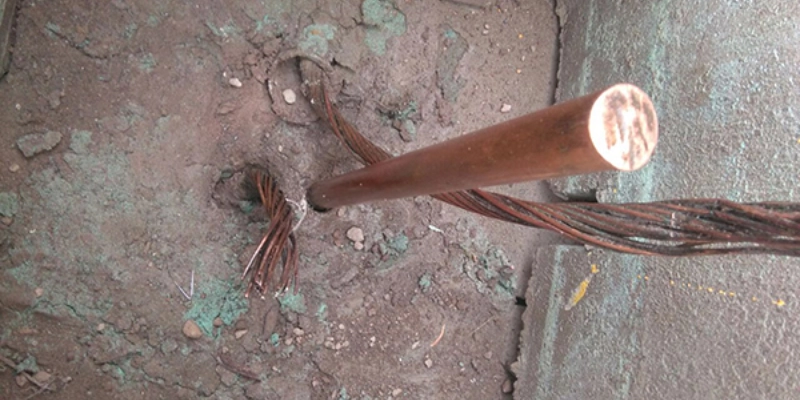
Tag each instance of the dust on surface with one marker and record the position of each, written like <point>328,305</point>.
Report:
<point>156,105</point>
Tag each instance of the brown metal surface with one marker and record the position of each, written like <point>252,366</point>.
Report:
<point>615,128</point>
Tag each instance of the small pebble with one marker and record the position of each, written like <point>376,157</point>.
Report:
<point>21,380</point>
<point>42,376</point>
<point>488,355</point>
<point>355,234</point>
<point>101,326</point>
<point>218,322</point>
<point>428,362</point>
<point>507,386</point>
<point>14,168</point>
<point>358,246</point>
<point>238,334</point>
<point>235,82</point>
<point>288,96</point>
<point>191,330</point>
<point>397,392</point>
<point>38,292</point>
<point>288,341</point>
<point>505,108</point>
<point>340,212</point>
<point>6,220</point>
<point>298,332</point>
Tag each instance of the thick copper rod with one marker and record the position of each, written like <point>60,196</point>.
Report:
<point>615,128</point>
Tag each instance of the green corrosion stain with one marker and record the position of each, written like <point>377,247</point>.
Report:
<point>80,141</point>
<point>216,298</point>
<point>292,301</point>
<point>383,21</point>
<point>130,30</point>
<point>315,39</point>
<point>153,21</point>
<point>9,204</point>
<point>425,282</point>
<point>52,29</point>
<point>322,312</point>
<point>224,31</point>
<point>147,63</point>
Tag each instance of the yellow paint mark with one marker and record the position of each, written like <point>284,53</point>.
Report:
<point>798,140</point>
<point>578,294</point>
<point>731,294</point>
<point>520,36</point>
<point>689,284</point>
<point>519,71</point>
<point>671,282</point>
<point>722,292</point>
<point>595,269</point>
<point>779,303</point>
<point>639,276</point>
<point>699,287</point>
<point>754,298</point>
<point>711,290</point>
<point>647,278</point>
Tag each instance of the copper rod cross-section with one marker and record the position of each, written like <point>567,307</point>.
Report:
<point>612,129</point>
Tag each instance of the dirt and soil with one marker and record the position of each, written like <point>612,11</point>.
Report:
<point>123,125</point>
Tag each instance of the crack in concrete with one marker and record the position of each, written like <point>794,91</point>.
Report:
<point>556,66</point>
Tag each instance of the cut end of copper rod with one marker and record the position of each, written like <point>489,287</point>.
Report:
<point>624,127</point>
<point>612,129</point>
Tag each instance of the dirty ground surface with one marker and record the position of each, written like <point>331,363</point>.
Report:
<point>123,125</point>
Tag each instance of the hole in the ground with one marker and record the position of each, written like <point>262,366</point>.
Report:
<point>520,301</point>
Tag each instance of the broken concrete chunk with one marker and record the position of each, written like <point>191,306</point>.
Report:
<point>35,143</point>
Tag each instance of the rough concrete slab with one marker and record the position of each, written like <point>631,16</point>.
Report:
<point>719,327</point>
<point>727,98</point>
<point>7,8</point>
<point>659,328</point>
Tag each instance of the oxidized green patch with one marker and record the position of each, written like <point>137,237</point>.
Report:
<point>315,39</point>
<point>291,301</point>
<point>383,21</point>
<point>80,141</point>
<point>147,63</point>
<point>425,282</point>
<point>9,204</point>
<point>216,298</point>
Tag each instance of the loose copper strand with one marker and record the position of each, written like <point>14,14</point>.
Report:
<point>277,249</point>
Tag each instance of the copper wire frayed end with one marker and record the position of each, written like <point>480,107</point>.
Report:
<point>274,263</point>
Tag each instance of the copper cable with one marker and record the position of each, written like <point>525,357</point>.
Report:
<point>671,228</point>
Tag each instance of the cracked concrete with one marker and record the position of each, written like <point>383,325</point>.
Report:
<point>643,327</point>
